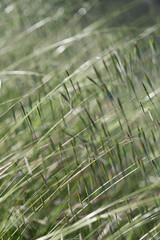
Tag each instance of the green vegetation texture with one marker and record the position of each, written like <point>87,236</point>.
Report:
<point>79,120</point>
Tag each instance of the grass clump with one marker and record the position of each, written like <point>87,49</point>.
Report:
<point>79,120</point>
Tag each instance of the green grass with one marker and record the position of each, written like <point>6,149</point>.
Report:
<point>79,120</point>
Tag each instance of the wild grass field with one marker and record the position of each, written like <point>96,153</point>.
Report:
<point>79,120</point>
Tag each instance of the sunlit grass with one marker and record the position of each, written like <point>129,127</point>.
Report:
<point>79,120</point>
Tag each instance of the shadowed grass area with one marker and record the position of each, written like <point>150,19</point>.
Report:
<point>79,119</point>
